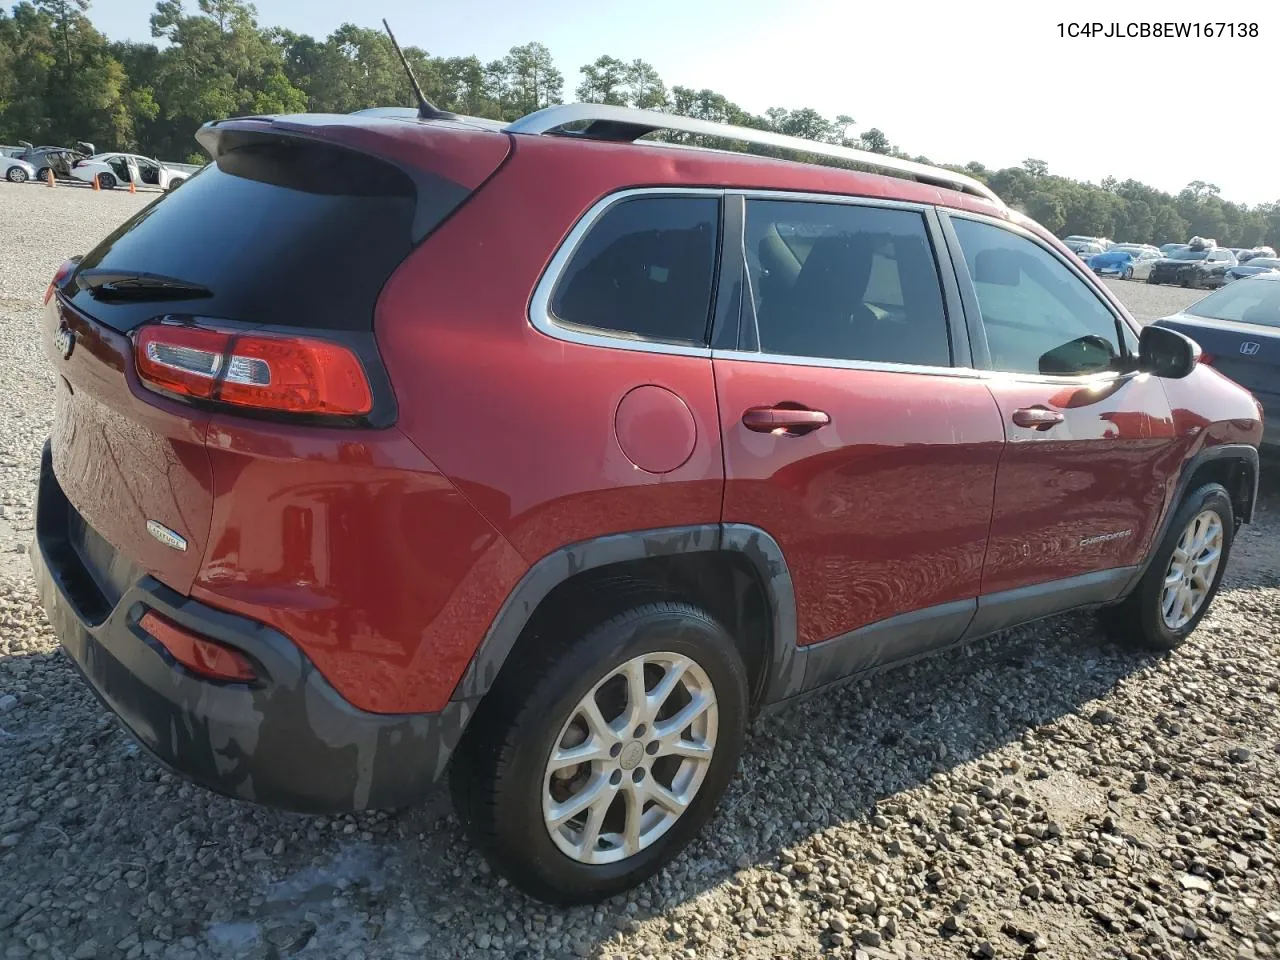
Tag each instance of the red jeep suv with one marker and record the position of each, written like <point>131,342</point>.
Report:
<point>548,456</point>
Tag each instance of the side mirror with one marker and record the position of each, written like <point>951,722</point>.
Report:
<point>1087,354</point>
<point>1167,353</point>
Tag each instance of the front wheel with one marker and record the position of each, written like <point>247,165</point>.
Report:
<point>1183,577</point>
<point>16,175</point>
<point>1128,273</point>
<point>593,764</point>
<point>106,181</point>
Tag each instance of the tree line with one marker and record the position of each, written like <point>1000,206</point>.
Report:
<point>62,81</point>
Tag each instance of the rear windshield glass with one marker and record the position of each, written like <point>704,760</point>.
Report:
<point>1247,301</point>
<point>283,232</point>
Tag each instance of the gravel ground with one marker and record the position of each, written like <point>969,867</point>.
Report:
<point>1041,793</point>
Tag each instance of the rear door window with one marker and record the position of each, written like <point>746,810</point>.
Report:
<point>845,282</point>
<point>646,270</point>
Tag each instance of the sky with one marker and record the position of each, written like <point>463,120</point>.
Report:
<point>987,80</point>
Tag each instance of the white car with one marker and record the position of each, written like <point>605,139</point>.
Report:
<point>1142,259</point>
<point>15,170</point>
<point>114,169</point>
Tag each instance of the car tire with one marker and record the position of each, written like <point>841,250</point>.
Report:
<point>508,792</point>
<point>1128,273</point>
<point>1191,280</point>
<point>174,184</point>
<point>42,174</point>
<point>1143,618</point>
<point>16,175</point>
<point>107,181</point>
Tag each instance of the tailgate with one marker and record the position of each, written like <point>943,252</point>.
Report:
<point>122,461</point>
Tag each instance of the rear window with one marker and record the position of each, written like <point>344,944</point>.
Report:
<point>645,269</point>
<point>1246,301</point>
<point>281,231</point>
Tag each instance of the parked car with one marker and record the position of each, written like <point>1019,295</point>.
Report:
<point>1193,267</point>
<point>1238,330</point>
<point>58,159</point>
<point>1128,262</point>
<point>15,170</point>
<point>1251,268</point>
<point>1256,252</point>
<point>111,169</point>
<point>1103,242</point>
<point>734,430</point>
<point>1083,249</point>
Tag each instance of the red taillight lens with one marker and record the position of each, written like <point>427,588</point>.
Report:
<point>196,653</point>
<point>63,272</point>
<point>260,371</point>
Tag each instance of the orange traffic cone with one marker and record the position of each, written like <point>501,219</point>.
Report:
<point>132,187</point>
<point>49,176</point>
<point>96,185</point>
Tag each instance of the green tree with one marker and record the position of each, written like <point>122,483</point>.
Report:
<point>603,82</point>
<point>533,82</point>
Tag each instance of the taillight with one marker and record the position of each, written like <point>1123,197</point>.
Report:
<point>269,372</point>
<point>64,271</point>
<point>198,654</point>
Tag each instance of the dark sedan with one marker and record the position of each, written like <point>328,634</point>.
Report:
<point>1238,328</point>
<point>1193,267</point>
<point>1252,267</point>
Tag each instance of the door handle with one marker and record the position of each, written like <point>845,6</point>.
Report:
<point>1037,418</point>
<point>784,420</point>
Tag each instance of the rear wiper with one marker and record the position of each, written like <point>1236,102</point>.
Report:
<point>119,285</point>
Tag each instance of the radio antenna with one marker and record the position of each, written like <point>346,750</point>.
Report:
<point>426,109</point>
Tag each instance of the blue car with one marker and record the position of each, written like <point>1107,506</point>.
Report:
<point>1116,262</point>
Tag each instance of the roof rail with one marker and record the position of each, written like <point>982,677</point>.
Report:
<point>605,122</point>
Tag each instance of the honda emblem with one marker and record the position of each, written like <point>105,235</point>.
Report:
<point>1250,347</point>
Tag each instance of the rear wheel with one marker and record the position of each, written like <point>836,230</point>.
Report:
<point>106,181</point>
<point>42,174</point>
<point>587,770</point>
<point>16,175</point>
<point>1183,577</point>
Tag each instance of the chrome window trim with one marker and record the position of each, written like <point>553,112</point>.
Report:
<point>874,366</point>
<point>544,321</point>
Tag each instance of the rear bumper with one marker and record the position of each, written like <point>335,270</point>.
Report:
<point>287,740</point>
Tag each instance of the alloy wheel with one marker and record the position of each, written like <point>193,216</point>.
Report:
<point>1192,569</point>
<point>630,758</point>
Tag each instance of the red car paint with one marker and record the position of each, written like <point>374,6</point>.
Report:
<point>386,554</point>
<point>125,456</point>
<point>1101,472</point>
<point>883,511</point>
